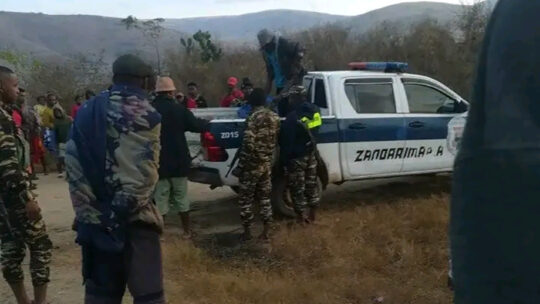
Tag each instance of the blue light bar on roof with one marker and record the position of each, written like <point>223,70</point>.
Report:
<point>388,67</point>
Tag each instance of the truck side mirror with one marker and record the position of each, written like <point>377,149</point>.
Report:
<point>461,107</point>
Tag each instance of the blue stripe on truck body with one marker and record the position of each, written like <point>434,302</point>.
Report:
<point>434,127</point>
<point>372,129</point>
<point>343,130</point>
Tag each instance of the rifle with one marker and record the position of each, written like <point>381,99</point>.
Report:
<point>4,217</point>
<point>233,162</point>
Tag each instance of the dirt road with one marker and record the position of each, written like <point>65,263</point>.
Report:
<point>215,217</point>
<point>66,287</point>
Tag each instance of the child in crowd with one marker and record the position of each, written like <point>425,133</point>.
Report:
<point>62,125</point>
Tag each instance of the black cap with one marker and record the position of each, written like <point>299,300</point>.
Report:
<point>246,83</point>
<point>132,65</point>
<point>257,98</point>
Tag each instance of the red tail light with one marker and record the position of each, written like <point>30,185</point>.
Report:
<point>212,151</point>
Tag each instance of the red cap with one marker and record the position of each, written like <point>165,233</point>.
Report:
<point>232,81</point>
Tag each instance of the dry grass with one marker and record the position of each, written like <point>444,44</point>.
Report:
<point>389,242</point>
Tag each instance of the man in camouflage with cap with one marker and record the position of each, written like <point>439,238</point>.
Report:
<point>112,164</point>
<point>255,162</point>
<point>21,225</point>
<point>298,153</point>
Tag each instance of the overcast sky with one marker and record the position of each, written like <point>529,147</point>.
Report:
<point>192,8</point>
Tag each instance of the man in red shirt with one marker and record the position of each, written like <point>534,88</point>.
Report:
<point>233,95</point>
<point>193,99</point>
<point>76,106</point>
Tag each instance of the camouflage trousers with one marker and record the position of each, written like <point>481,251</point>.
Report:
<point>302,182</point>
<point>255,186</point>
<point>24,233</point>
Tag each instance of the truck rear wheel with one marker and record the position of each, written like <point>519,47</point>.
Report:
<point>282,205</point>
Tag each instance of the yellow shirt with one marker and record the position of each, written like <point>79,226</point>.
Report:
<point>39,109</point>
<point>47,118</point>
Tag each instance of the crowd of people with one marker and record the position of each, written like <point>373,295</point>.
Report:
<point>45,128</point>
<point>235,96</point>
<point>123,173</point>
<point>127,161</point>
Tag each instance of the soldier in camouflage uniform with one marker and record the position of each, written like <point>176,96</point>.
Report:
<point>21,225</point>
<point>298,153</point>
<point>255,162</point>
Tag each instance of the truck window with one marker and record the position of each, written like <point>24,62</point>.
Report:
<point>428,100</point>
<point>320,94</point>
<point>371,96</point>
<point>308,84</point>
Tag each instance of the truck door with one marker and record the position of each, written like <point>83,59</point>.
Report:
<point>372,137</point>
<point>431,107</point>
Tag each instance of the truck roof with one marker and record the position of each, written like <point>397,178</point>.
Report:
<point>349,73</point>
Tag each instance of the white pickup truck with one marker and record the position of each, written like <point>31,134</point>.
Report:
<point>375,124</point>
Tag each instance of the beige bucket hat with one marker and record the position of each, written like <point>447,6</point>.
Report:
<point>165,84</point>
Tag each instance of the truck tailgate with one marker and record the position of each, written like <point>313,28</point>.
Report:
<point>214,115</point>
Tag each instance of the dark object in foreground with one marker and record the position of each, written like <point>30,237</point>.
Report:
<point>4,217</point>
<point>495,235</point>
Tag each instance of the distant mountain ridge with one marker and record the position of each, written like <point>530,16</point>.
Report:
<point>66,35</point>
<point>404,14</point>
<point>246,26</point>
<point>60,36</point>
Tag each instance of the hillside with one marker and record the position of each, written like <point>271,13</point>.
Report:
<point>404,14</point>
<point>65,35</point>
<point>60,36</point>
<point>244,27</point>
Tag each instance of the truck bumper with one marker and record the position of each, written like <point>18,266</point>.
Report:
<point>208,176</point>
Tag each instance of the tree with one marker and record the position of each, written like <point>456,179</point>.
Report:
<point>21,62</point>
<point>472,23</point>
<point>209,51</point>
<point>151,29</point>
<point>67,77</point>
<point>334,38</point>
<point>188,45</point>
<point>92,72</point>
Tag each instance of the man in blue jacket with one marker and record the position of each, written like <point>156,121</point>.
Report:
<point>112,162</point>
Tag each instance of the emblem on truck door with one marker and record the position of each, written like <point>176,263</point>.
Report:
<point>456,126</point>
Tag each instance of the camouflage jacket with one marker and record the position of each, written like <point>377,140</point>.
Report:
<point>260,138</point>
<point>131,161</point>
<point>14,181</point>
